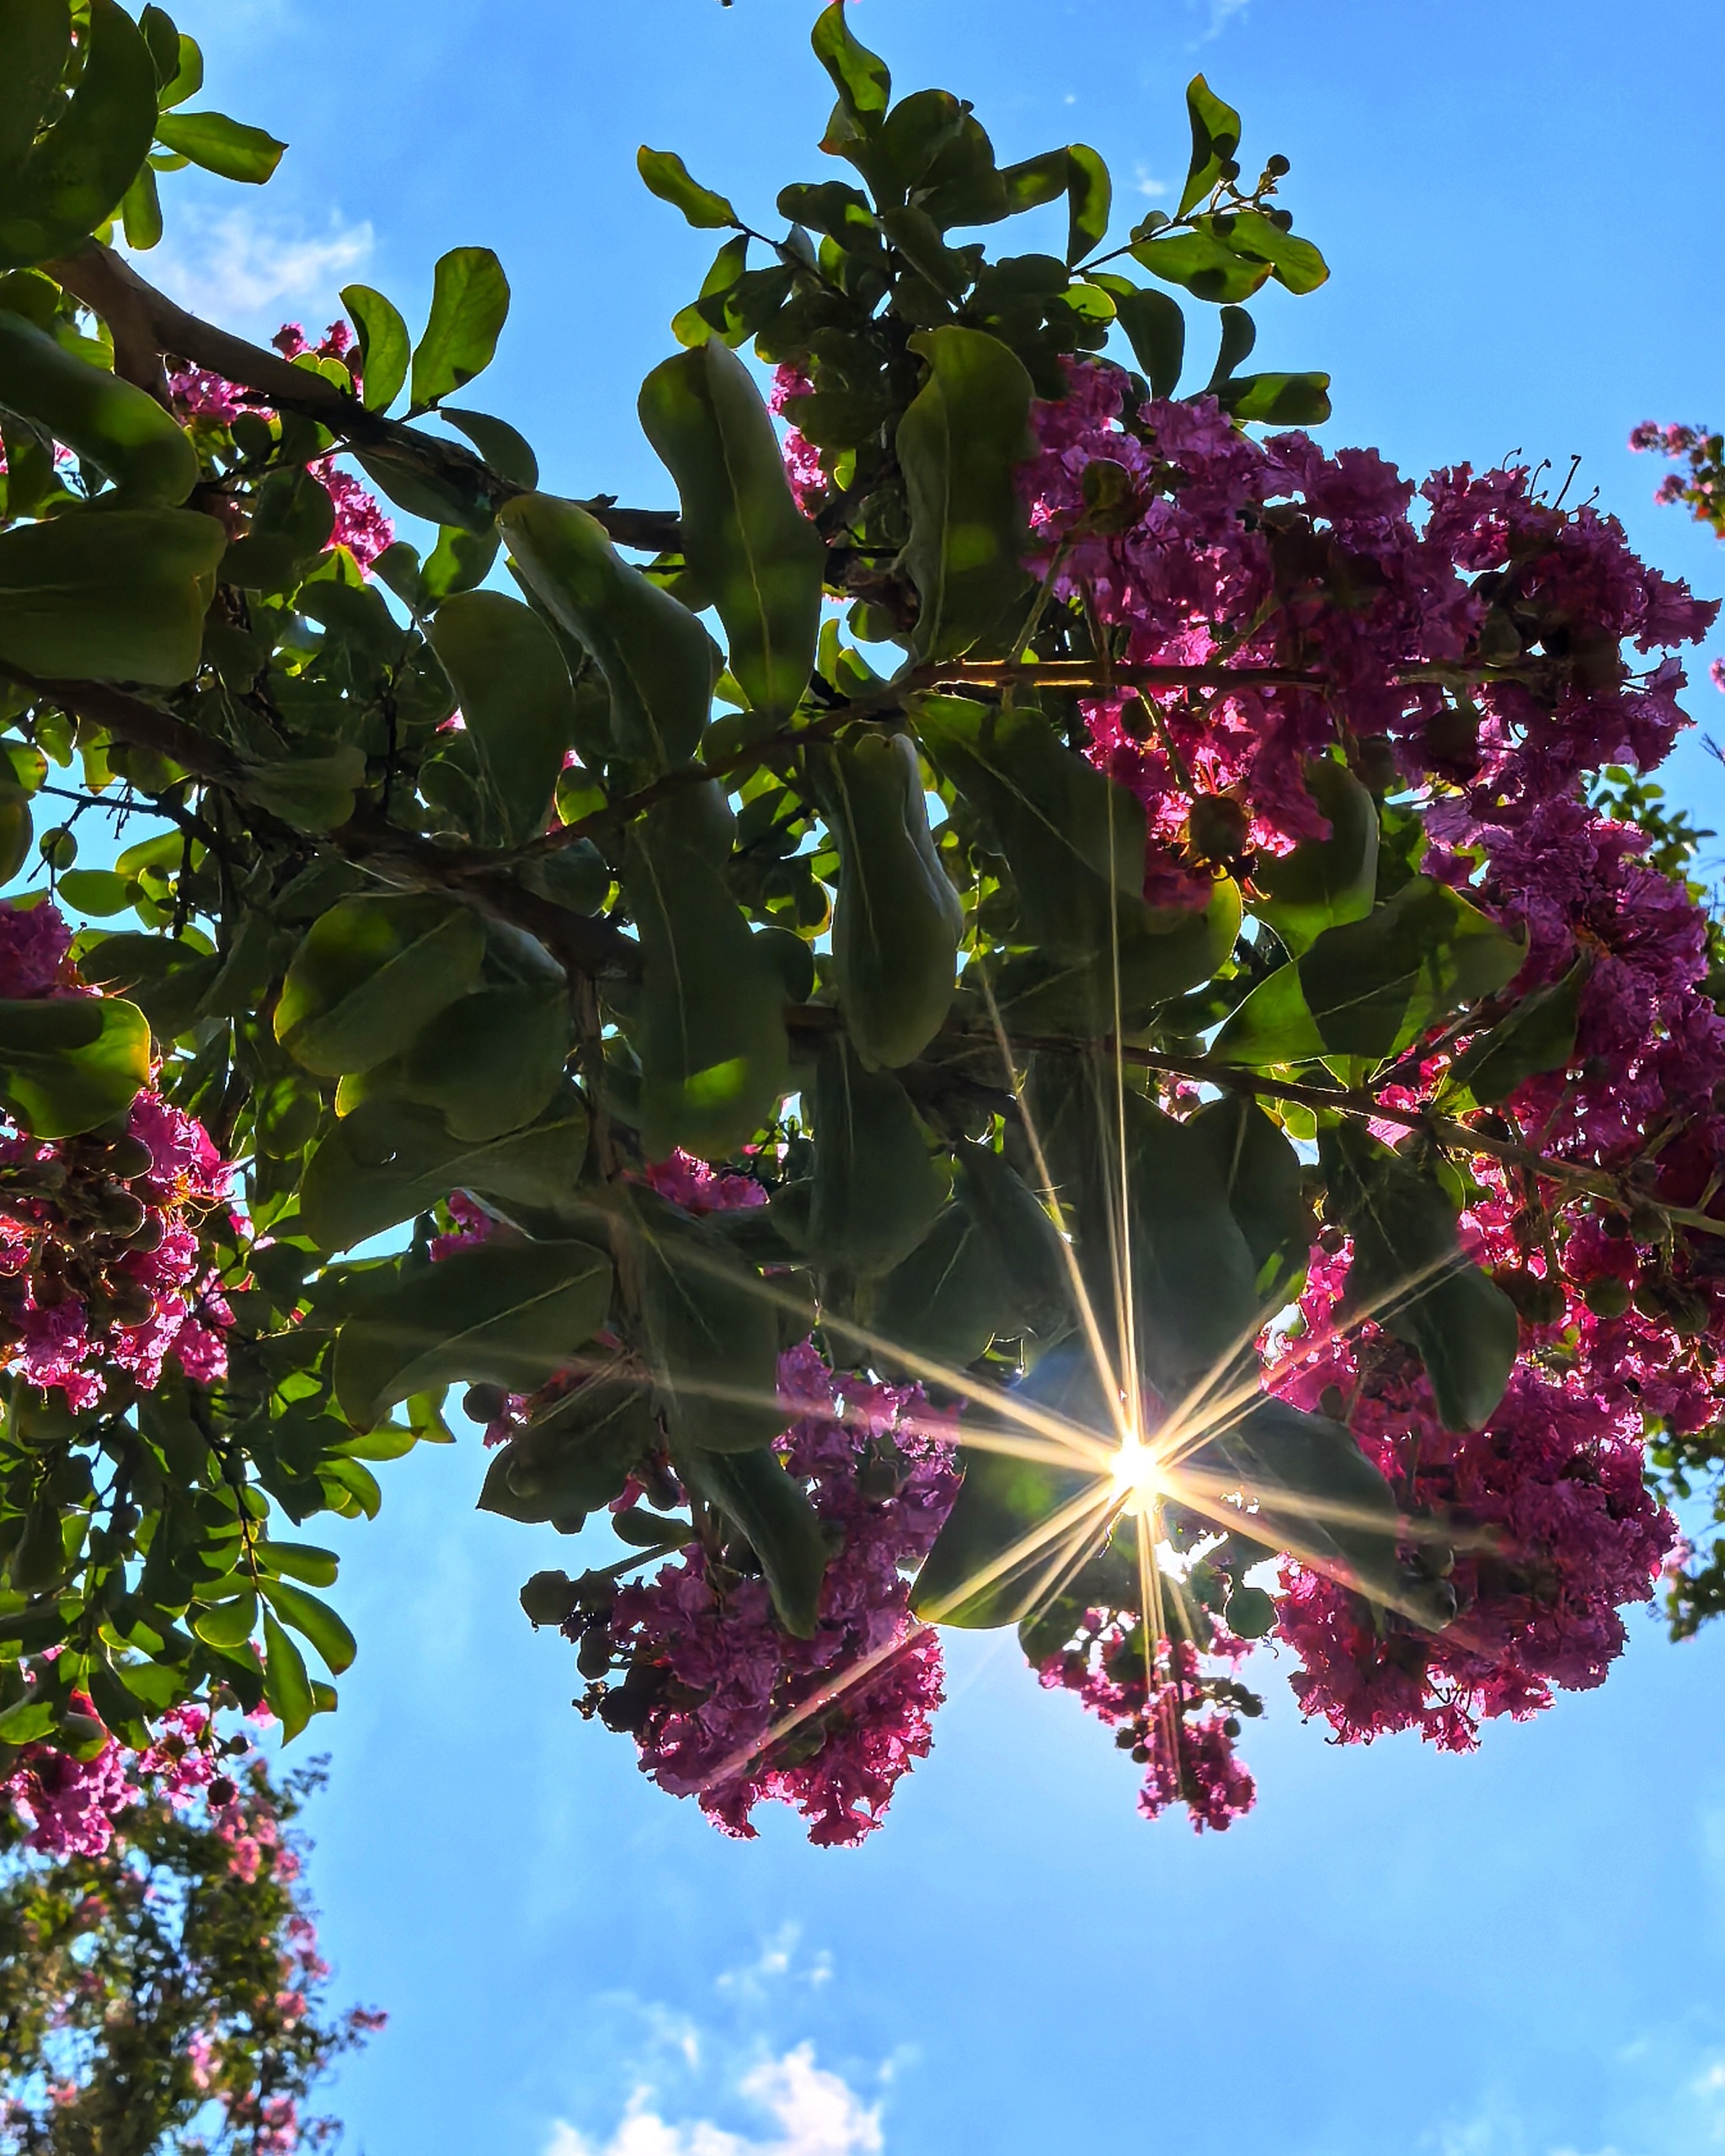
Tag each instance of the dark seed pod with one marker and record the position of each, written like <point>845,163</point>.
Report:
<point>1648,1224</point>
<point>1607,1296</point>
<point>128,1157</point>
<point>484,1403</point>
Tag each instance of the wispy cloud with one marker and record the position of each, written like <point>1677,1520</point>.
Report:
<point>1142,183</point>
<point>1221,14</point>
<point>815,2113</point>
<point>238,262</point>
<point>778,1955</point>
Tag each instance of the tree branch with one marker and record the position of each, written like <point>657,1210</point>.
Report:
<point>580,944</point>
<point>147,324</point>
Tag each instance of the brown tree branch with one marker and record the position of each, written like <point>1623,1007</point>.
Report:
<point>147,325</point>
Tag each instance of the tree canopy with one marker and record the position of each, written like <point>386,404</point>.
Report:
<point>1046,1004</point>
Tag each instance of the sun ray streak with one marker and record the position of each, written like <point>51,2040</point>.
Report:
<point>1111,1388</point>
<point>1010,1560</point>
<point>823,1696</point>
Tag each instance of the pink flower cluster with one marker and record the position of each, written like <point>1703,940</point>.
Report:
<point>101,1268</point>
<point>1178,1719</point>
<point>1540,1522</point>
<point>724,1704</point>
<point>1211,549</point>
<point>1469,643</point>
<point>802,467</point>
<point>360,525</point>
<point>75,1807</point>
<point>1702,487</point>
<point>694,1186</point>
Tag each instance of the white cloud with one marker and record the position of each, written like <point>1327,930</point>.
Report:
<point>1144,184</point>
<point>238,264</point>
<point>817,2114</point>
<point>776,1957</point>
<point>1221,14</point>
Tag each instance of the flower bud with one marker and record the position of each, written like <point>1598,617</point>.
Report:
<point>1218,828</point>
<point>549,1598</point>
<point>1607,1296</point>
<point>1648,1224</point>
<point>128,1157</point>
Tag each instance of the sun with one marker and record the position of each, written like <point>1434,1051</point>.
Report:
<point>1136,1473</point>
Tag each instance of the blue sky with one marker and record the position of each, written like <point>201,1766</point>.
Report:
<point>1519,1954</point>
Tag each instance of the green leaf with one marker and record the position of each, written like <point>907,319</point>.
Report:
<point>667,177</point>
<point>384,346</point>
<point>713,1334</point>
<point>141,212</point>
<point>166,979</point>
<point>519,707</point>
<point>1277,400</point>
<point>1090,195</point>
<point>441,498</point>
<point>298,1561</point>
<point>1035,181</point>
<point>110,423</point>
<point>897,921</point>
<point>1075,840</point>
<point>228,1623</point>
<point>1162,954</point>
<point>950,1298</point>
<point>1194,1275</point>
<point>1410,1274</point>
<point>469,305</point>
<point>1239,335</point>
<point>961,442</point>
<point>1295,263</point>
<point>710,1033</point>
<point>509,454</point>
<point>67,1065</point>
<point>1324,882</point>
<point>108,594</point>
<point>1315,1493</point>
<point>1372,987</point>
<point>315,1620</point>
<point>97,892</point>
<point>489,1061</point>
<point>575,1457</point>
<point>286,1686</point>
<point>744,537</point>
<point>1204,264</point>
<point>38,38</point>
<point>221,145</point>
<point>17,829</point>
<point>865,87</point>
<point>370,973</point>
<point>1536,1037</point>
<point>1016,1225</point>
<point>989,1557</point>
<point>1216,137</point>
<point>656,658</point>
<point>1156,329</point>
<point>458,562</point>
<point>781,1525</point>
<point>506,1313</point>
<point>164,42</point>
<point>1261,1181</point>
<point>188,75</point>
<point>311,793</point>
<point>73,179</point>
<point>876,1189</point>
<point>709,315</point>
